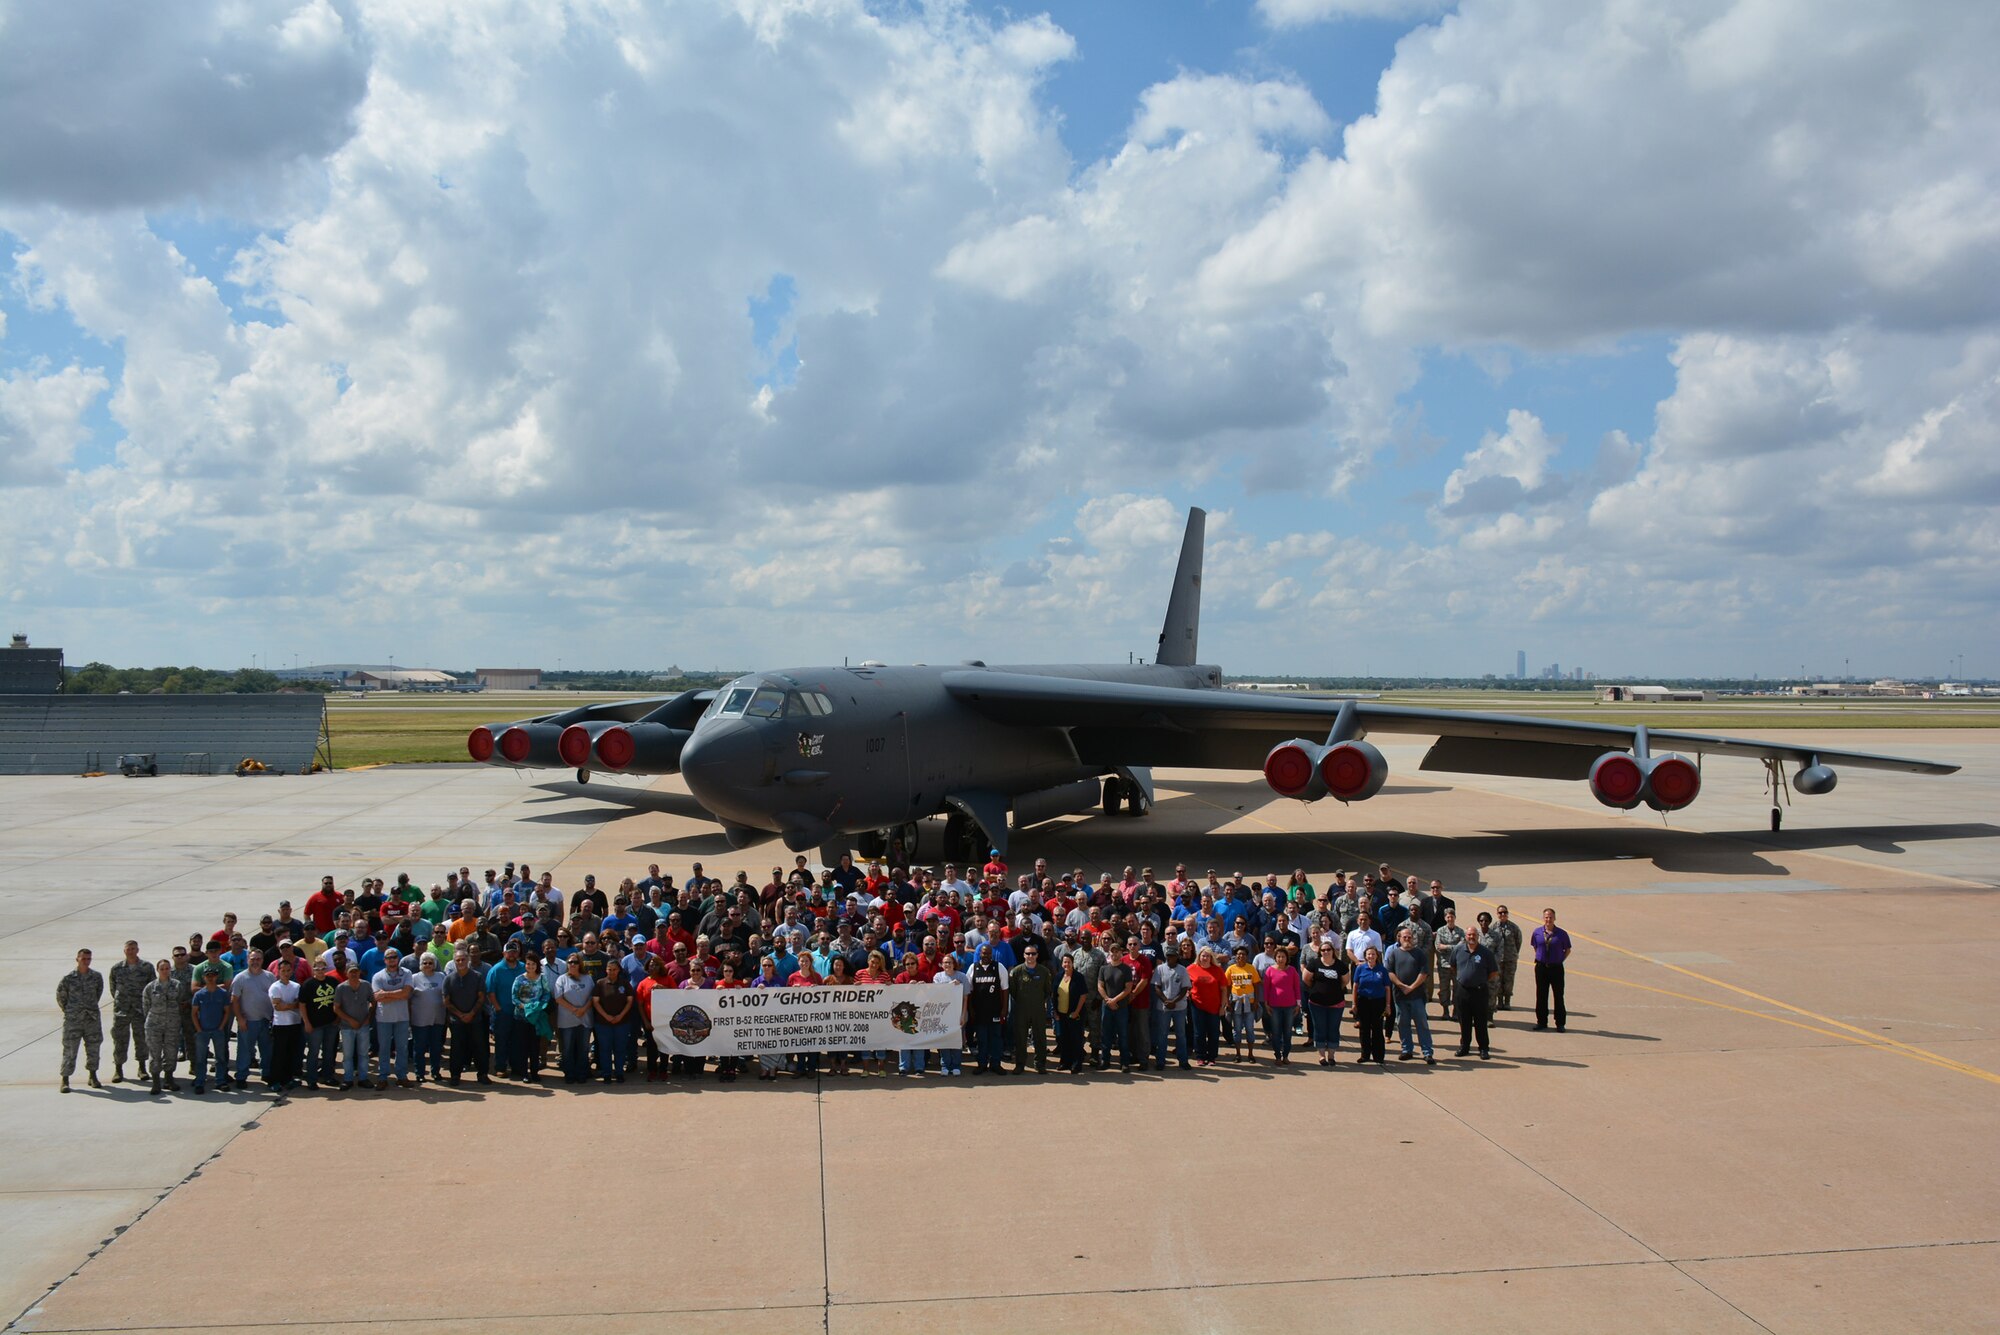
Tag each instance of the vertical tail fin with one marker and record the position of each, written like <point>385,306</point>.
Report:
<point>1178,637</point>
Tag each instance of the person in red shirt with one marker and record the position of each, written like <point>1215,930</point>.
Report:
<point>1141,1003</point>
<point>892,912</point>
<point>995,868</point>
<point>676,934</point>
<point>323,905</point>
<point>1206,988</point>
<point>657,978</point>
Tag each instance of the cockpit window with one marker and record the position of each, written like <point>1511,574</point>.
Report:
<point>734,701</point>
<point>768,702</point>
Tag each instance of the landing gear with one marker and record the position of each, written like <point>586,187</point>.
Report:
<point>964,842</point>
<point>903,844</point>
<point>1123,794</point>
<point>1777,818</point>
<point>583,776</point>
<point>896,845</point>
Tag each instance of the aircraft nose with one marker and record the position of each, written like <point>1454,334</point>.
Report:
<point>720,761</point>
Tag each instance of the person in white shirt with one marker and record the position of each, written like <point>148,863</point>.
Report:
<point>950,1056</point>
<point>1363,936</point>
<point>1170,1002</point>
<point>287,1029</point>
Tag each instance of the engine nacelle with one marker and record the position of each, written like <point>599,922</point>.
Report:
<point>1617,779</point>
<point>1671,782</point>
<point>1815,779</point>
<point>577,740</point>
<point>531,744</point>
<point>1292,770</point>
<point>644,748</point>
<point>1353,771</point>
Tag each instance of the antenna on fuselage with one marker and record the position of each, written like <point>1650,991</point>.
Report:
<point>1179,636</point>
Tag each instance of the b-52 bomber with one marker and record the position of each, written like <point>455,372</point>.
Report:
<point>833,757</point>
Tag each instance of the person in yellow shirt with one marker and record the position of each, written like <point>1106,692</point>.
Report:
<point>1244,985</point>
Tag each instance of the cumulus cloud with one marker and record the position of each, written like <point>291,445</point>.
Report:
<point>41,422</point>
<point>109,105</point>
<point>499,345</point>
<point>1509,470</point>
<point>1551,176</point>
<point>1298,13</point>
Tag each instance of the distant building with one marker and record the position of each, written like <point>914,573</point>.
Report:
<point>509,679</point>
<point>26,671</point>
<point>1520,665</point>
<point>1651,695</point>
<point>335,673</point>
<point>399,679</point>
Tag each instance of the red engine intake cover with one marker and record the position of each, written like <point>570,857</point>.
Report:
<point>615,748</point>
<point>1288,769</point>
<point>1617,781</point>
<point>480,744</point>
<point>574,746</point>
<point>1675,782</point>
<point>514,745</point>
<point>1353,771</point>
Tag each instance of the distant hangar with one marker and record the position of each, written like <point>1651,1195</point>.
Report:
<point>1652,695</point>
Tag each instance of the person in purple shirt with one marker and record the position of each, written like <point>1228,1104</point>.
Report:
<point>1552,947</point>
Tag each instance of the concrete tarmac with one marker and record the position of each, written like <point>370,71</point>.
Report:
<point>1774,1108</point>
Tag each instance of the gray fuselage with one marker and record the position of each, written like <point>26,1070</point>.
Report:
<point>808,751</point>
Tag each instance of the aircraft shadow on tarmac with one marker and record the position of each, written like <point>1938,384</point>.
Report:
<point>1460,861</point>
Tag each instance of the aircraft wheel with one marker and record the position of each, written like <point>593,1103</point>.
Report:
<point>1114,792</point>
<point>1777,819</point>
<point>1135,800</point>
<point>903,844</point>
<point>872,843</point>
<point>583,776</point>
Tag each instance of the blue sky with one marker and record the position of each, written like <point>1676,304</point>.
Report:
<point>758,333</point>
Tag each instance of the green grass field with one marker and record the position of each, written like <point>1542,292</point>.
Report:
<point>396,729</point>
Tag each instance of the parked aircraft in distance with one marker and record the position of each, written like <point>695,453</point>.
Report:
<point>825,757</point>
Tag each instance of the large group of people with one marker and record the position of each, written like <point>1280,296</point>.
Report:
<point>495,976</point>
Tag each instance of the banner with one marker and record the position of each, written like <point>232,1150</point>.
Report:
<point>763,1021</point>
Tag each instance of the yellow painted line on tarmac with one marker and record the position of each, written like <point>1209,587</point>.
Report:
<point>1873,1039</point>
<point>1853,1033</point>
<point>1866,1041</point>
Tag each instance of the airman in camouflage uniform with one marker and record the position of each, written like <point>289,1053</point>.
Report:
<point>183,967</point>
<point>1491,940</point>
<point>79,995</point>
<point>1445,940</point>
<point>129,978</point>
<point>1346,910</point>
<point>163,1003</point>
<point>1509,955</point>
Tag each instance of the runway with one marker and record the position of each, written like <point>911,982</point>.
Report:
<point>1775,1109</point>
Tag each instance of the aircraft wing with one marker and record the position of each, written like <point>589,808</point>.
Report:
<point>1199,727</point>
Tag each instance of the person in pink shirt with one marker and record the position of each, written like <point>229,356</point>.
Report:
<point>1282,986</point>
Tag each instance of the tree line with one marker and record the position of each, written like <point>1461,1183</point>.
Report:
<point>103,679</point>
